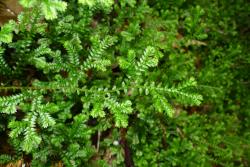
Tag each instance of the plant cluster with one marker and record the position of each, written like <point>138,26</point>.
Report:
<point>126,83</point>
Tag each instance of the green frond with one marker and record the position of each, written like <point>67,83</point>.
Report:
<point>46,119</point>
<point>5,158</point>
<point>4,67</point>
<point>49,8</point>
<point>27,3</point>
<point>98,4</point>
<point>161,104</point>
<point>120,111</point>
<point>96,58</point>
<point>148,59</point>
<point>135,67</point>
<point>17,128</point>
<point>6,33</point>
<point>99,46</point>
<point>73,47</point>
<point>11,100</point>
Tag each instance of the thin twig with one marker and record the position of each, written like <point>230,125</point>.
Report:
<point>98,140</point>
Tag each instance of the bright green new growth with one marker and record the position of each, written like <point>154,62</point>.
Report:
<point>49,8</point>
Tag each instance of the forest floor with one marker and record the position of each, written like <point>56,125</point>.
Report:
<point>9,9</point>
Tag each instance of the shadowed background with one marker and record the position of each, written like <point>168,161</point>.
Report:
<point>9,9</point>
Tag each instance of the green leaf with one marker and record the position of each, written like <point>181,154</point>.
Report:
<point>27,3</point>
<point>6,34</point>
<point>46,120</point>
<point>90,3</point>
<point>50,8</point>
<point>97,111</point>
<point>31,140</point>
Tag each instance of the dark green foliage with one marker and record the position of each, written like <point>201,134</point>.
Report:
<point>126,83</point>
